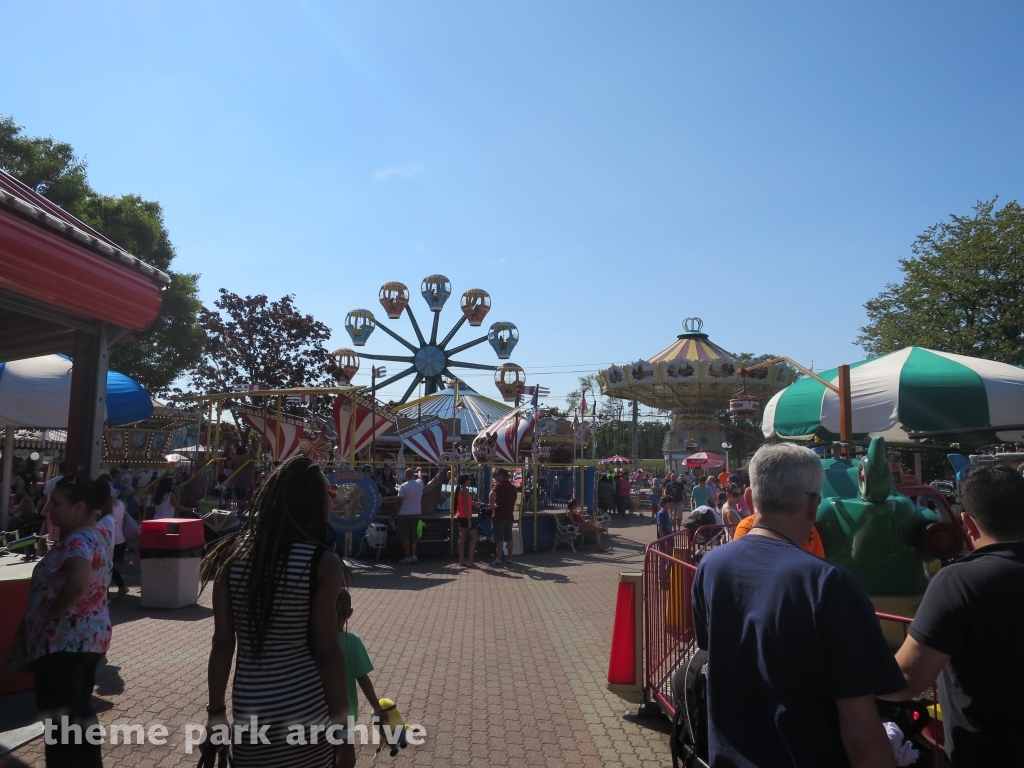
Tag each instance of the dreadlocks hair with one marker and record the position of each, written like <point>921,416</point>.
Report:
<point>288,508</point>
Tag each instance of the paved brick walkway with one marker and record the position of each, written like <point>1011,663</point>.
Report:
<point>502,667</point>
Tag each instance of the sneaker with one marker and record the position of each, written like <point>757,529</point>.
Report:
<point>414,559</point>
<point>497,564</point>
<point>405,561</point>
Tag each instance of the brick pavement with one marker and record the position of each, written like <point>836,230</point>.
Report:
<point>502,667</point>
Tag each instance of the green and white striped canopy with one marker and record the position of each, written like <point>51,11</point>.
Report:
<point>914,389</point>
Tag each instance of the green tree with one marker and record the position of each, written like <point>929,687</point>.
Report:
<point>961,291</point>
<point>173,344</point>
<point>253,340</point>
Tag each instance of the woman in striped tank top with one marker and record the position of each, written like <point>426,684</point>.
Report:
<point>274,592</point>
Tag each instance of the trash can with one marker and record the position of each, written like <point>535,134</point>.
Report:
<point>170,550</point>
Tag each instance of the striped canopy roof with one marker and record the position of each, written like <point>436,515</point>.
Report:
<point>911,390</point>
<point>693,346</point>
<point>478,412</point>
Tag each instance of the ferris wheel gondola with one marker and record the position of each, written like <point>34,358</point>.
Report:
<point>431,361</point>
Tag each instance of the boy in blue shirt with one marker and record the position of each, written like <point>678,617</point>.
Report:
<point>357,662</point>
<point>664,519</point>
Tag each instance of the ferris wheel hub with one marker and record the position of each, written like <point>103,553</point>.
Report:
<point>430,361</point>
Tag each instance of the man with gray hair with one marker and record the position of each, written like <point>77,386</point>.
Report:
<point>796,655</point>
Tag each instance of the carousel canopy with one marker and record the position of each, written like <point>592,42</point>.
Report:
<point>473,410</point>
<point>914,389</point>
<point>693,371</point>
<point>36,392</point>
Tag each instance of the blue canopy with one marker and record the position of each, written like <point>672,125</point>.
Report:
<point>37,392</point>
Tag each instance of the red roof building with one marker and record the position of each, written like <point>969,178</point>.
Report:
<point>66,288</point>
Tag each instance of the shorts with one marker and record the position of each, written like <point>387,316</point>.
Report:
<point>466,523</point>
<point>407,528</point>
<point>501,530</point>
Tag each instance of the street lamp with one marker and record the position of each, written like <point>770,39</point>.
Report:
<point>726,447</point>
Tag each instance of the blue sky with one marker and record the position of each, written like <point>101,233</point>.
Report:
<point>603,169</point>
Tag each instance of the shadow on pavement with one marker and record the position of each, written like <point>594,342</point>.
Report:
<point>124,610</point>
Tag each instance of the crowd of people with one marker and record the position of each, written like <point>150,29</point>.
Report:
<point>796,660</point>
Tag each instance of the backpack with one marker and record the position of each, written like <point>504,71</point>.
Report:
<point>690,725</point>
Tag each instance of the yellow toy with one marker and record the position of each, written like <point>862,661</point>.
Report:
<point>395,723</point>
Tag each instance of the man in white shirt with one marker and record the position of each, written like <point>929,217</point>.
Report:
<point>408,518</point>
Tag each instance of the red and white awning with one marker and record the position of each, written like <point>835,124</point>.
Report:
<point>427,439</point>
<point>371,422</point>
<point>282,437</point>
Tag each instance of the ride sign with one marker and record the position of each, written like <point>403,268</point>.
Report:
<point>356,502</point>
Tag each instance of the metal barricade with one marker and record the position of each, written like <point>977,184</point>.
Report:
<point>668,618</point>
<point>707,537</point>
<point>669,641</point>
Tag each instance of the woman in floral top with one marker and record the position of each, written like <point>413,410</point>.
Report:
<point>67,624</point>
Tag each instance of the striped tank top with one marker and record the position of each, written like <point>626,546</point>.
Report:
<point>282,687</point>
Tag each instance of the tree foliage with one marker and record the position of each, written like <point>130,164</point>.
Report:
<point>961,291</point>
<point>174,342</point>
<point>253,340</point>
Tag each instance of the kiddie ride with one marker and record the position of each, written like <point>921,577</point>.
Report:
<point>892,545</point>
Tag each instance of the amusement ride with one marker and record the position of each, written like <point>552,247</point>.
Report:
<point>431,360</point>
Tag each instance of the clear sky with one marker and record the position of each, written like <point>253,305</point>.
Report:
<point>602,169</point>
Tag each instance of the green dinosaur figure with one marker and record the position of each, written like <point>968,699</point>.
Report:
<point>869,529</point>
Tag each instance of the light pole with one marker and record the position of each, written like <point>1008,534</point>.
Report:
<point>726,447</point>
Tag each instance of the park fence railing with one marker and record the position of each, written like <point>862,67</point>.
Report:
<point>667,641</point>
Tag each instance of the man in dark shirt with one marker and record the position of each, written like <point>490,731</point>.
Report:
<point>503,499</point>
<point>795,652</point>
<point>970,626</point>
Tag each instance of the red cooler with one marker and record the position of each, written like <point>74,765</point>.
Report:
<point>170,550</point>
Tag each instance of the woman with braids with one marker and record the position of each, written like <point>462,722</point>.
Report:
<point>274,591</point>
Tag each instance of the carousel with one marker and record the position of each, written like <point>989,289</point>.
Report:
<point>695,379</point>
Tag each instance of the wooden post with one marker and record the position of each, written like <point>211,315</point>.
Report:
<point>87,408</point>
<point>5,502</point>
<point>845,408</point>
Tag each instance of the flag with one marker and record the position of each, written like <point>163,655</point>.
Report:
<point>575,422</point>
<point>535,398</point>
<point>583,404</point>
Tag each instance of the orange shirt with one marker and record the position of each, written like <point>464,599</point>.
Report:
<point>463,504</point>
<point>812,545</point>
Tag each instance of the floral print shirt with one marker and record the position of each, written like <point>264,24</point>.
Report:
<point>85,628</point>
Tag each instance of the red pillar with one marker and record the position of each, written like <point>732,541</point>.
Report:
<point>87,409</point>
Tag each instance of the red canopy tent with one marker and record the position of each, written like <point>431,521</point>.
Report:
<point>704,459</point>
<point>616,460</point>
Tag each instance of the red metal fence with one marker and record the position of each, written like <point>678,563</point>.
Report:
<point>670,564</point>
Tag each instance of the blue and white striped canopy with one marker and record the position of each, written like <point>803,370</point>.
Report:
<point>37,392</point>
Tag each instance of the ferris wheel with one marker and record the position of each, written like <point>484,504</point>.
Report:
<point>430,360</point>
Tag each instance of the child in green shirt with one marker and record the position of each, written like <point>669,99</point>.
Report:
<point>357,662</point>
